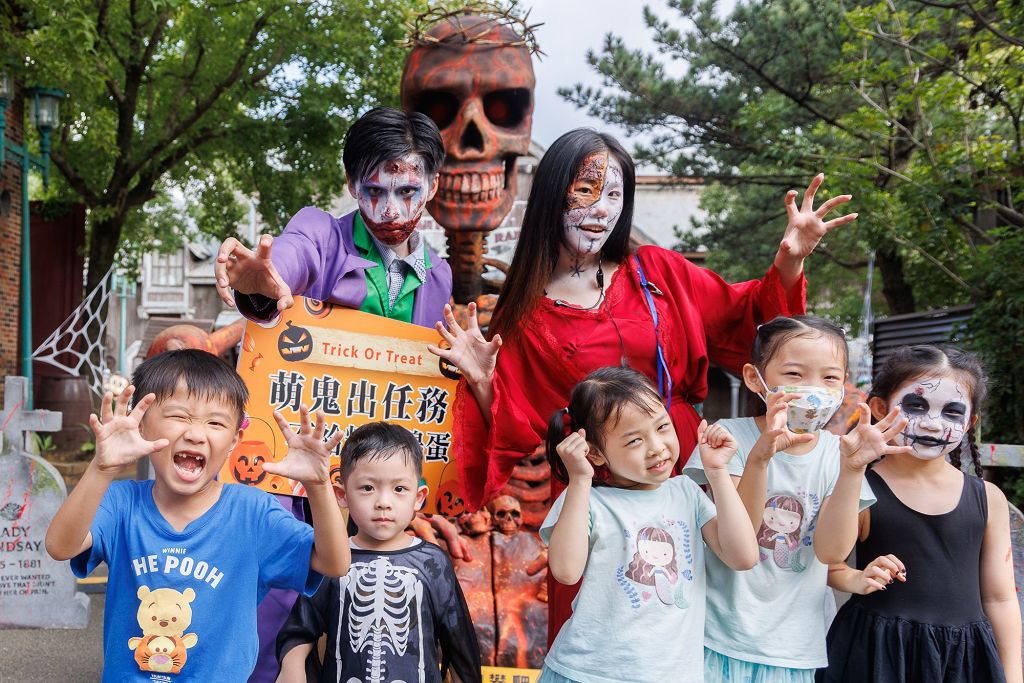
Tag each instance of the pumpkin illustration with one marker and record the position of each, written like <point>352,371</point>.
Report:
<point>447,369</point>
<point>335,475</point>
<point>247,462</point>
<point>317,308</point>
<point>278,484</point>
<point>295,343</point>
<point>449,502</point>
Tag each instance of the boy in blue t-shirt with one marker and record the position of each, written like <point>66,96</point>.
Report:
<point>189,557</point>
<point>399,614</point>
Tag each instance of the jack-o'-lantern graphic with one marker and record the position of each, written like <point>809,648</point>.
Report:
<point>317,308</point>
<point>247,462</point>
<point>278,484</point>
<point>447,369</point>
<point>295,343</point>
<point>449,502</point>
<point>335,475</point>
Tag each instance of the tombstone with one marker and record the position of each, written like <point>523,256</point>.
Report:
<point>36,591</point>
<point>1017,543</point>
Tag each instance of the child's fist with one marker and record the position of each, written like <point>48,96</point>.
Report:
<point>716,445</point>
<point>573,451</point>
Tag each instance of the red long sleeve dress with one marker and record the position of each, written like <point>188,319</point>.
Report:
<point>702,320</point>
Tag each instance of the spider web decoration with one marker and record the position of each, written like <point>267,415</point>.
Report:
<point>502,14</point>
<point>59,348</point>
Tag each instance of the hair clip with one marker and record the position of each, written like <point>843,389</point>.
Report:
<point>653,288</point>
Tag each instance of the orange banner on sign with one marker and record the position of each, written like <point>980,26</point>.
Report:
<point>356,368</point>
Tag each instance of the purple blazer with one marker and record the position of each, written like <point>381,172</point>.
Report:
<point>317,258</point>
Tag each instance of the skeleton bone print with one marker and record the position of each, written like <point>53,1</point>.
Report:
<point>380,616</point>
<point>397,616</point>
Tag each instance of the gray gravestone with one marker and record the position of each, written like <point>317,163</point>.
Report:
<point>1017,544</point>
<point>36,591</point>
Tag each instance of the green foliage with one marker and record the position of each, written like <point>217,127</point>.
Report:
<point>913,107</point>
<point>43,443</point>
<point>222,100</point>
<point>997,333</point>
<point>1012,484</point>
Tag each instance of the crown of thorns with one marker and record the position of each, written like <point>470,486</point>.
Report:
<point>500,14</point>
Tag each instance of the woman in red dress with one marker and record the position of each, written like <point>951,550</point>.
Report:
<point>576,299</point>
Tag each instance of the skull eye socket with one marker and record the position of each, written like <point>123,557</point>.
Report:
<point>507,108</point>
<point>440,106</point>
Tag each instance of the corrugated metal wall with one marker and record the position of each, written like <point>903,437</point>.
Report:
<point>926,327</point>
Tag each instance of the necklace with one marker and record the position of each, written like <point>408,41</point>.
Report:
<point>600,292</point>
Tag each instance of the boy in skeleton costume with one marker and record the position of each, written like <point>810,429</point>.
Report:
<point>400,603</point>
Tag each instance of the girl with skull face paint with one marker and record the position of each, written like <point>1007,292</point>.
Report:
<point>575,300</point>
<point>953,613</point>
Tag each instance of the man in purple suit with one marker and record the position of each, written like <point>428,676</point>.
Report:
<point>372,259</point>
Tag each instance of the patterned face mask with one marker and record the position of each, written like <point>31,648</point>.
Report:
<point>810,411</point>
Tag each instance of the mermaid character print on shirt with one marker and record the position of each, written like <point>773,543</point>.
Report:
<point>783,536</point>
<point>654,572</point>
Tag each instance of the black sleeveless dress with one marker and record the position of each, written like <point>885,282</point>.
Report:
<point>931,629</point>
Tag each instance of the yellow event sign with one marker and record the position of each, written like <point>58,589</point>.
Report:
<point>497,674</point>
<point>356,368</point>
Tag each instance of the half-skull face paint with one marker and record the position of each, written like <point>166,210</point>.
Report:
<point>392,197</point>
<point>939,410</point>
<point>592,205</point>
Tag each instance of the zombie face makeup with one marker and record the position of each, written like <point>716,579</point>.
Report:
<point>592,205</point>
<point>392,197</point>
<point>939,410</point>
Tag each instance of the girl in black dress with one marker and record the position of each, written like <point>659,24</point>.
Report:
<point>934,598</point>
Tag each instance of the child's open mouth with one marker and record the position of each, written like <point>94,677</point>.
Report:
<point>189,465</point>
<point>659,467</point>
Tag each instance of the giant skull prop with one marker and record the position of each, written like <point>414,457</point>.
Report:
<point>507,514</point>
<point>475,80</point>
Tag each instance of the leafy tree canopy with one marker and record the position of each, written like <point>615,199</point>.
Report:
<point>219,99</point>
<point>913,106</point>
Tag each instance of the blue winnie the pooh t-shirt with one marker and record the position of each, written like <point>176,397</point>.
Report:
<point>181,606</point>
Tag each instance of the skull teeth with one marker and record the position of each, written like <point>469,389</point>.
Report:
<point>471,187</point>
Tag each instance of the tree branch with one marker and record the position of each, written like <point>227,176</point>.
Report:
<point>778,87</point>
<point>72,177</point>
<point>202,107</point>
<point>977,15</point>
<point>831,256</point>
<point>143,190</point>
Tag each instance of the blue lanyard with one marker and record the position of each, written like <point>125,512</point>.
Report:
<point>664,378</point>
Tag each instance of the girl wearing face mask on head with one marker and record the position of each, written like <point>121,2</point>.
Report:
<point>768,624</point>
<point>952,612</point>
<point>577,298</point>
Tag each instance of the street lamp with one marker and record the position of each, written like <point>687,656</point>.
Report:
<point>45,108</point>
